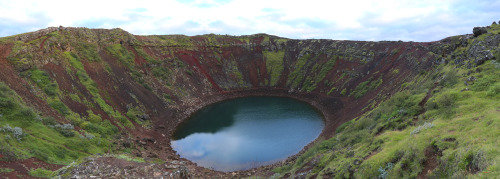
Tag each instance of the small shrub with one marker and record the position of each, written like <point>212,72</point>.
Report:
<point>6,103</point>
<point>494,90</point>
<point>385,171</point>
<point>40,153</point>
<point>93,128</point>
<point>28,112</point>
<point>49,121</point>
<point>66,129</point>
<point>497,56</point>
<point>89,136</point>
<point>483,83</point>
<point>445,101</point>
<point>8,153</point>
<point>16,131</point>
<point>60,152</point>
<point>420,128</point>
<point>110,129</point>
<point>450,78</point>
<point>93,118</point>
<point>61,107</point>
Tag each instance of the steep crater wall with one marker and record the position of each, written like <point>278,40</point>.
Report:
<point>146,85</point>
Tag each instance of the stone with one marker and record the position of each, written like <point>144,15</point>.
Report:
<point>494,23</point>
<point>483,57</point>
<point>479,31</point>
<point>126,144</point>
<point>144,117</point>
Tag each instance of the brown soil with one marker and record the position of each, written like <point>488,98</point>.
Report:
<point>22,167</point>
<point>431,161</point>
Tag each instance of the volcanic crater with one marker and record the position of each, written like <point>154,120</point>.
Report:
<point>148,85</point>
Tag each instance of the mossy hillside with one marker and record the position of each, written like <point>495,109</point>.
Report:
<point>127,58</point>
<point>461,129</point>
<point>91,87</point>
<point>296,77</point>
<point>318,74</point>
<point>274,64</point>
<point>42,137</point>
<point>366,86</point>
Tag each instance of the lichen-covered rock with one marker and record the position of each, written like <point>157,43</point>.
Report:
<point>479,31</point>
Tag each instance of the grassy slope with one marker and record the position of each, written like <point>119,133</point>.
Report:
<point>25,133</point>
<point>459,124</point>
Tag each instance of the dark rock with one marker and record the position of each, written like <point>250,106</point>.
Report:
<point>485,56</point>
<point>357,162</point>
<point>152,155</point>
<point>494,23</point>
<point>141,142</point>
<point>126,144</point>
<point>149,140</point>
<point>144,117</point>
<point>479,31</point>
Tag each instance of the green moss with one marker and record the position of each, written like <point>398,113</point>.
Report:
<point>325,69</point>
<point>274,65</point>
<point>75,97</point>
<point>133,114</point>
<point>174,40</point>
<point>144,55</point>
<point>297,75</point>
<point>93,117</point>
<point>131,159</point>
<point>395,51</point>
<point>41,172</point>
<point>331,90</point>
<point>60,106</point>
<point>343,92</point>
<point>43,80</point>
<point>123,55</point>
<point>6,170</point>
<point>89,51</point>
<point>366,86</point>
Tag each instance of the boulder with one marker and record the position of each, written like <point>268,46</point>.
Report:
<point>143,117</point>
<point>485,56</point>
<point>479,31</point>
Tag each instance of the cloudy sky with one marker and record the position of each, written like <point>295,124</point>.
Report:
<point>409,20</point>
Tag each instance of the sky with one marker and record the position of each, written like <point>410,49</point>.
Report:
<point>367,20</point>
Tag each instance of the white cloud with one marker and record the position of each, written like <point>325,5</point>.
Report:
<point>355,19</point>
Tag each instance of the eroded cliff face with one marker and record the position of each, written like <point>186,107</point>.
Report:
<point>165,76</point>
<point>146,85</point>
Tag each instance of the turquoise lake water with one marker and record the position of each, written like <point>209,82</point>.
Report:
<point>247,132</point>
